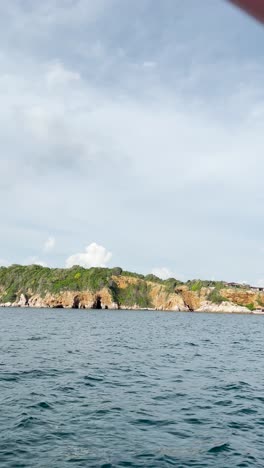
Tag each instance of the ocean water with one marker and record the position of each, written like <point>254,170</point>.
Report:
<point>130,389</point>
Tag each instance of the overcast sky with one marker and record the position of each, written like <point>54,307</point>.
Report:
<point>131,134</point>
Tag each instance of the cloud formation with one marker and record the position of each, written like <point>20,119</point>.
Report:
<point>35,261</point>
<point>58,75</point>
<point>138,122</point>
<point>94,256</point>
<point>165,273</point>
<point>49,244</point>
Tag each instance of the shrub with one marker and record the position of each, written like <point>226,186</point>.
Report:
<point>137,293</point>
<point>133,275</point>
<point>215,297</point>
<point>153,278</point>
<point>197,286</point>
<point>117,271</point>
<point>10,295</point>
<point>171,284</point>
<point>114,290</point>
<point>260,301</point>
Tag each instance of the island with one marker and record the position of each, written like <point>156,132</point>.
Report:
<point>114,288</point>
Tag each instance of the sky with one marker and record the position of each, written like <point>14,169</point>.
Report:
<point>131,134</point>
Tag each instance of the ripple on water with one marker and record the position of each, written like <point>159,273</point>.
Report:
<point>90,378</point>
<point>224,403</point>
<point>37,338</point>
<point>116,389</point>
<point>224,447</point>
<point>42,405</point>
<point>27,422</point>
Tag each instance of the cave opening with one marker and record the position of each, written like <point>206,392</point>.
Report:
<point>76,303</point>
<point>97,303</point>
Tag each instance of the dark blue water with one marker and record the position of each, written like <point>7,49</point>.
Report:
<point>130,389</point>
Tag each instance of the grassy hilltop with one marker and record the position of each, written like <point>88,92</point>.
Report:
<point>50,286</point>
<point>35,279</point>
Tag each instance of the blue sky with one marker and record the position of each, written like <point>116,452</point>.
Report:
<point>135,126</point>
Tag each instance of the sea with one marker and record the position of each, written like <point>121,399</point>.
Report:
<point>108,389</point>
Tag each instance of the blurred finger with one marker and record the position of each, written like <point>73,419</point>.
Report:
<point>253,7</point>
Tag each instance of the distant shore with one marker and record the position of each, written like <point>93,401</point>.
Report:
<point>103,288</point>
<point>237,311</point>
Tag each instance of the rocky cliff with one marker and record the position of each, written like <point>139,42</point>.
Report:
<point>101,288</point>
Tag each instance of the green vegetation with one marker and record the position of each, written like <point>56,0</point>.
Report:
<point>137,293</point>
<point>10,294</point>
<point>215,297</point>
<point>171,284</point>
<point>117,271</point>
<point>114,290</point>
<point>153,278</point>
<point>35,279</point>
<point>197,285</point>
<point>260,301</point>
<point>133,275</point>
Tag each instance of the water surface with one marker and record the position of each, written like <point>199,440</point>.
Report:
<point>130,389</point>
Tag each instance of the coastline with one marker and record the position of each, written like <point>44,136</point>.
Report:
<point>114,289</point>
<point>211,310</point>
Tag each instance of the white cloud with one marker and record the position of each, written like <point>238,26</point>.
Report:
<point>49,244</point>
<point>58,75</point>
<point>148,116</point>
<point>53,15</point>
<point>149,64</point>
<point>4,262</point>
<point>94,256</point>
<point>163,273</point>
<point>35,261</point>
<point>260,283</point>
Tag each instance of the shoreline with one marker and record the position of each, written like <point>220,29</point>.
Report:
<point>136,309</point>
<point>103,288</point>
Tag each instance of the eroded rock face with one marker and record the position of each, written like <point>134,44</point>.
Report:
<point>237,300</point>
<point>242,297</point>
<point>23,301</point>
<point>225,307</point>
<point>74,300</point>
<point>161,300</point>
<point>191,299</point>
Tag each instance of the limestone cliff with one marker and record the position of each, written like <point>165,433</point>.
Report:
<point>35,286</point>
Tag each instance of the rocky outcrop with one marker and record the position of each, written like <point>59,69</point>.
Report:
<point>161,300</point>
<point>68,300</point>
<point>23,301</point>
<point>246,297</point>
<point>225,307</point>
<point>127,291</point>
<point>191,300</point>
